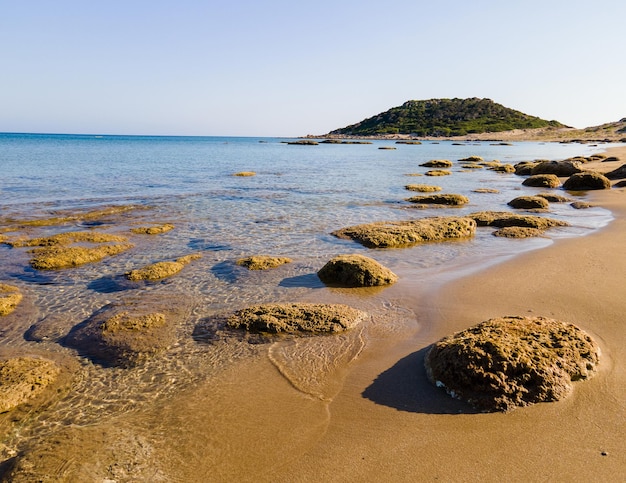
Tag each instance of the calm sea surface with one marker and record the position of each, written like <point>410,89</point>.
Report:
<point>299,195</point>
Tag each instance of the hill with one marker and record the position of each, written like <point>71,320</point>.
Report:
<point>445,117</point>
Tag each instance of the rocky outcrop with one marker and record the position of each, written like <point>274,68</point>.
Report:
<point>390,234</point>
<point>445,199</point>
<point>294,318</point>
<point>503,219</point>
<point>10,297</point>
<point>355,271</point>
<point>587,181</point>
<point>542,181</point>
<point>504,363</point>
<point>437,163</point>
<point>24,378</point>
<point>559,168</point>
<point>262,262</point>
<point>529,203</point>
<point>160,270</point>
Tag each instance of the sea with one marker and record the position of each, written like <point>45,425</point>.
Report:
<point>298,196</point>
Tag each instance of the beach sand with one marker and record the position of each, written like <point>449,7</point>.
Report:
<point>390,424</point>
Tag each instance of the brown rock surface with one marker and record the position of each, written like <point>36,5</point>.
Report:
<point>529,203</point>
<point>441,199</point>
<point>542,181</point>
<point>356,271</point>
<point>160,270</point>
<point>23,378</point>
<point>508,362</point>
<point>501,219</point>
<point>423,188</point>
<point>558,168</point>
<point>10,297</point>
<point>437,163</point>
<point>262,262</point>
<point>587,181</point>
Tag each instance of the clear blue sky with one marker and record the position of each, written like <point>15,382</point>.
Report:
<point>286,68</point>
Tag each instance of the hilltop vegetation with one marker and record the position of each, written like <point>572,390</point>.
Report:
<point>446,117</point>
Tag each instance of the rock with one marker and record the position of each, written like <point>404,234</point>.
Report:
<point>160,270</point>
<point>437,163</point>
<point>504,363</point>
<point>618,173</point>
<point>245,174</point>
<point>447,199</point>
<point>424,188</point>
<point>262,262</point>
<point>472,159</point>
<point>524,168</point>
<point>355,271</point>
<point>517,232</point>
<point>486,190</point>
<point>391,148</point>
<point>553,198</point>
<point>10,297</point>
<point>153,230</point>
<point>502,219</point>
<point>503,168</point>
<point>294,318</point>
<point>389,234</point>
<point>62,239</point>
<point>529,203</point>
<point>23,378</point>
<point>558,168</point>
<point>587,181</point>
<point>409,142</point>
<point>581,205</point>
<point>542,181</point>
<point>57,257</point>
<point>610,159</point>
<point>304,142</point>
<point>128,333</point>
<point>438,172</point>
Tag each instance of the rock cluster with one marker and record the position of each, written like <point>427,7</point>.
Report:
<point>504,363</point>
<point>355,271</point>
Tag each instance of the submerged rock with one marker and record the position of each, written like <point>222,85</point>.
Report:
<point>542,181</point>
<point>445,199</point>
<point>504,363</point>
<point>355,271</point>
<point>502,219</point>
<point>293,318</point>
<point>160,270</point>
<point>57,257</point>
<point>153,230</point>
<point>389,234</point>
<point>69,238</point>
<point>587,181</point>
<point>23,378</point>
<point>262,262</point>
<point>529,203</point>
<point>10,297</point>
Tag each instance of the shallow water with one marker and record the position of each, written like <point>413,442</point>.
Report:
<point>299,195</point>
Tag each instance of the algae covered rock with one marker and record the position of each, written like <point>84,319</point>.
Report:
<point>160,270</point>
<point>297,317</point>
<point>542,181</point>
<point>23,378</point>
<point>390,234</point>
<point>245,174</point>
<point>517,232</point>
<point>10,297</point>
<point>559,168</point>
<point>502,219</point>
<point>587,181</point>
<point>504,363</point>
<point>423,188</point>
<point>438,172</point>
<point>153,230</point>
<point>437,163</point>
<point>355,271</point>
<point>262,262</point>
<point>529,203</point>
<point>441,199</point>
<point>57,257</point>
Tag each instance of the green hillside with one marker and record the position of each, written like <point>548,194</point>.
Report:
<point>445,117</point>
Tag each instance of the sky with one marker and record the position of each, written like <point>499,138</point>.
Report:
<point>285,68</point>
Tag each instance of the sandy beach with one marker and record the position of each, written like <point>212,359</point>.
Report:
<point>390,424</point>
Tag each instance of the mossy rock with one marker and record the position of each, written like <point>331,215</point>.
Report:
<point>444,199</point>
<point>587,181</point>
<point>153,230</point>
<point>525,168</point>
<point>554,198</point>
<point>503,168</point>
<point>58,257</point>
<point>62,239</point>
<point>504,363</point>
<point>472,159</point>
<point>24,378</point>
<point>438,172</point>
<point>542,181</point>
<point>423,188</point>
<point>10,297</point>
<point>437,163</point>
<point>262,262</point>
<point>160,270</point>
<point>503,219</point>
<point>517,232</point>
<point>355,271</point>
<point>245,174</point>
<point>558,168</point>
<point>297,317</point>
<point>529,203</point>
<point>394,234</point>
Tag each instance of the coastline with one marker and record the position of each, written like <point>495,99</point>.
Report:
<point>389,424</point>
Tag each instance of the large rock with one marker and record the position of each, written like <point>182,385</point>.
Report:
<point>390,234</point>
<point>587,181</point>
<point>355,271</point>
<point>294,318</point>
<point>508,362</point>
<point>618,173</point>
<point>542,181</point>
<point>442,199</point>
<point>23,378</point>
<point>529,203</point>
<point>10,297</point>
<point>559,168</point>
<point>502,219</point>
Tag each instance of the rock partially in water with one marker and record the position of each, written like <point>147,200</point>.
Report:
<point>525,168</point>
<point>356,271</point>
<point>246,174</point>
<point>68,238</point>
<point>160,270</point>
<point>529,203</point>
<point>422,188</point>
<point>58,257</point>
<point>297,317</point>
<point>23,378</point>
<point>437,163</point>
<point>504,363</point>
<point>501,219</point>
<point>503,168</point>
<point>554,198</point>
<point>517,232</point>
<point>472,159</point>
<point>618,173</point>
<point>587,181</point>
<point>262,262</point>
<point>393,234</point>
<point>438,172</point>
<point>559,168</point>
<point>10,297</point>
<point>442,199</point>
<point>153,230</point>
<point>542,181</point>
